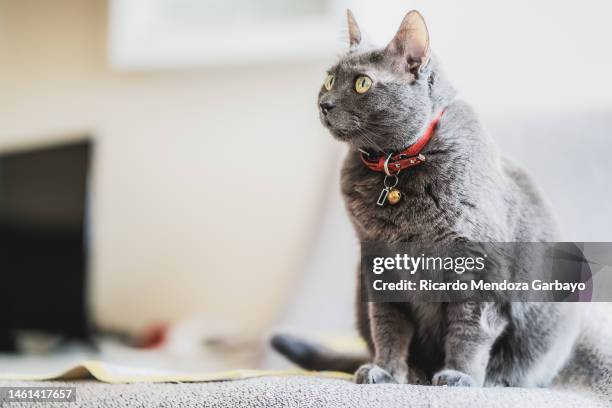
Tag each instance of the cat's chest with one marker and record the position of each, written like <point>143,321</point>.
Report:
<point>429,319</point>
<point>412,218</point>
<point>427,351</point>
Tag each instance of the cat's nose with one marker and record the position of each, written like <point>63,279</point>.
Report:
<point>327,106</point>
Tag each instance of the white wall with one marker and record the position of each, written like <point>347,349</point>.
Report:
<point>206,181</point>
<point>521,56</point>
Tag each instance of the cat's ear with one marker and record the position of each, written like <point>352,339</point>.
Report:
<point>353,29</point>
<point>411,42</point>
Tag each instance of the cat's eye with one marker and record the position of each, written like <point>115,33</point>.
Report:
<point>362,84</point>
<point>329,82</point>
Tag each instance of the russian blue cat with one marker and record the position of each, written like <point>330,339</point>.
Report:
<point>381,101</point>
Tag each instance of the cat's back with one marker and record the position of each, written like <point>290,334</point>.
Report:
<point>518,210</point>
<point>533,217</point>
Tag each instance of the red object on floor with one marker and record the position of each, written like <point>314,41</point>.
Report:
<point>153,337</point>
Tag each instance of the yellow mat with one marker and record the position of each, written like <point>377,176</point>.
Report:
<point>113,373</point>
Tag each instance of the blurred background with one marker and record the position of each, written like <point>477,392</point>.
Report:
<point>168,197</point>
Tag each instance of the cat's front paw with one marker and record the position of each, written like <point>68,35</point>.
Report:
<point>373,374</point>
<point>453,378</point>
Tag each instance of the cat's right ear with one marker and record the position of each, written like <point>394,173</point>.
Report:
<point>353,29</point>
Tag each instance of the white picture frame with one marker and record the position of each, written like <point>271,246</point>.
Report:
<point>143,35</point>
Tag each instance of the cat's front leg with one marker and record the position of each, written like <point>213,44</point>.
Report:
<point>472,330</point>
<point>391,333</point>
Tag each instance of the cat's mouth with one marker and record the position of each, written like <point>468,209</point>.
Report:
<point>340,133</point>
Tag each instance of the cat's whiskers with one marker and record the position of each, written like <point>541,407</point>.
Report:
<point>369,142</point>
<point>365,134</point>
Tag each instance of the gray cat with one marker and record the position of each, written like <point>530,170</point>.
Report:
<point>381,101</point>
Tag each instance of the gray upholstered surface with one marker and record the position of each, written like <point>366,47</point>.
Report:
<point>309,392</point>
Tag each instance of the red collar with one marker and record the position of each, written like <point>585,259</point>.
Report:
<point>410,157</point>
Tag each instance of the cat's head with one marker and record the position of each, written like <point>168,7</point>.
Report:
<point>380,98</point>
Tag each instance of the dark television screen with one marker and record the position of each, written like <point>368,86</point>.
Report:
<point>43,259</point>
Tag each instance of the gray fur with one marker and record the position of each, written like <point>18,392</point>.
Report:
<point>465,191</point>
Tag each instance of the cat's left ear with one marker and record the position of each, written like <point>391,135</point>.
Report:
<point>353,29</point>
<point>411,43</point>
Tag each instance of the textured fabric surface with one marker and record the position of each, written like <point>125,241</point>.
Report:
<point>586,381</point>
<point>300,391</point>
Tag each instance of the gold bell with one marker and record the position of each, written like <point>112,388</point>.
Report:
<point>394,196</point>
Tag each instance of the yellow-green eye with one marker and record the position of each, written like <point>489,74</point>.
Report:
<point>329,82</point>
<point>362,84</point>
